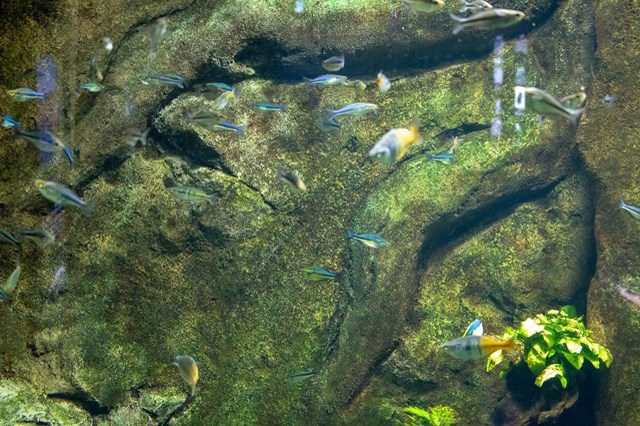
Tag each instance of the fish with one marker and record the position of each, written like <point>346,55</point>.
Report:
<point>11,283</point>
<point>40,236</point>
<point>107,43</point>
<point>158,32</point>
<point>9,123</point>
<point>426,6</point>
<point>67,153</point>
<point>96,69</point>
<point>577,100</point>
<point>60,194</point>
<point>474,329</point>
<point>546,105</point>
<point>92,87</point>
<point>24,94</point>
<point>225,126</point>
<point>212,90</point>
<point>7,238</point>
<point>444,158</point>
<point>369,240</point>
<point>455,145</point>
<point>132,136</point>
<point>318,274</point>
<point>629,296</point>
<point>188,370</point>
<point>633,210</point>
<point>354,110</point>
<point>473,347</point>
<point>393,144</point>
<point>206,119</point>
<point>293,180</point>
<point>267,107</point>
<point>357,84</point>
<point>43,140</point>
<point>334,63</point>
<point>298,6</point>
<point>164,80</point>
<point>609,100</point>
<point>189,193</point>
<point>475,6</point>
<point>383,83</point>
<point>326,80</point>
<point>488,19</point>
<point>329,125</point>
<point>300,376</point>
<point>57,284</point>
<point>223,99</point>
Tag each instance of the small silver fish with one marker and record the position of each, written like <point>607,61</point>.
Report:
<point>7,238</point>
<point>57,284</point>
<point>132,136</point>
<point>9,123</point>
<point>206,119</point>
<point>92,87</point>
<point>488,19</point>
<point>164,80</point>
<point>293,180</point>
<point>40,236</point>
<point>158,31</point>
<point>43,140</point>
<point>369,240</point>
<point>546,105</point>
<point>328,125</point>
<point>60,194</point>
<point>223,99</point>
<point>12,282</point>
<point>188,370</point>
<point>268,107</point>
<point>107,43</point>
<point>357,84</point>
<point>225,126</point>
<point>24,94</point>
<point>300,376</point>
<point>475,6</point>
<point>577,100</point>
<point>425,6</point>
<point>96,69</point>
<point>633,210</point>
<point>189,193</point>
<point>334,63</point>
<point>326,80</point>
<point>354,110</point>
<point>444,158</point>
<point>298,6</point>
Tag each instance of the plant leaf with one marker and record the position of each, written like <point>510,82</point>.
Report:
<point>605,356</point>
<point>574,359</point>
<point>494,359</point>
<point>553,370</point>
<point>418,412</point>
<point>574,347</point>
<point>536,358</point>
<point>570,311</point>
<point>530,327</point>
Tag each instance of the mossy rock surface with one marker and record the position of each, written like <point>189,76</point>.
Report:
<point>151,277</point>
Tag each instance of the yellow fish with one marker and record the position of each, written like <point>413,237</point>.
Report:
<point>472,347</point>
<point>392,146</point>
<point>188,371</point>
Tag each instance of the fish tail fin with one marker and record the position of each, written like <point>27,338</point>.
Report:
<point>241,129</point>
<point>213,199</point>
<point>350,234</point>
<point>574,115</point>
<point>67,153</point>
<point>459,27</point>
<point>88,207</point>
<point>145,135</point>
<point>415,131</point>
<point>284,107</point>
<point>622,204</point>
<point>192,391</point>
<point>509,345</point>
<point>307,81</point>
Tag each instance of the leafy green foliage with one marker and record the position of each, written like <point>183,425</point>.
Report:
<point>440,415</point>
<point>555,346</point>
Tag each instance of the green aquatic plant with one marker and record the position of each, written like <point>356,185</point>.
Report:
<point>555,345</point>
<point>440,415</point>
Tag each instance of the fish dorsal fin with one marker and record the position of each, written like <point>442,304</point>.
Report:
<point>475,328</point>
